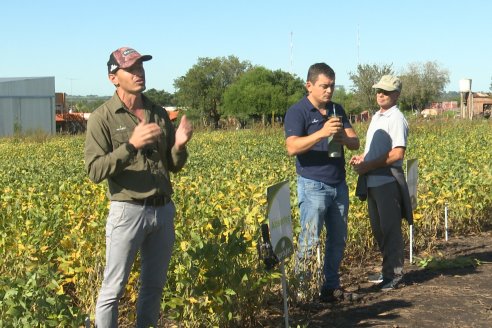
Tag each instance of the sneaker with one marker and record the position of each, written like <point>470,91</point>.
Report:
<point>331,295</point>
<point>375,278</point>
<point>389,284</point>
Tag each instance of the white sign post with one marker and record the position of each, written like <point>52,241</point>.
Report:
<point>280,222</point>
<point>446,221</point>
<point>412,180</point>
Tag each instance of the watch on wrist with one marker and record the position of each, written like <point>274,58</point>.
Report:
<point>131,149</point>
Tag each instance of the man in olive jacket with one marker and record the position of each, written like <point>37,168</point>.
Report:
<point>132,143</point>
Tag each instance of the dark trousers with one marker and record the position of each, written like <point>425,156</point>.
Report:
<point>384,204</point>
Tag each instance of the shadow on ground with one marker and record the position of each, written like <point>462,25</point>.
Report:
<point>359,316</point>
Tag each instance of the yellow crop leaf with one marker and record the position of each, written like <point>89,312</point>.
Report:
<point>60,291</point>
<point>247,236</point>
<point>192,300</point>
<point>66,243</point>
<point>258,195</point>
<point>184,245</point>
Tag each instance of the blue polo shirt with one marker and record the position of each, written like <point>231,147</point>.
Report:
<point>303,119</point>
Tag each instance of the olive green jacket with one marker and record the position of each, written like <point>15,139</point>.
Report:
<point>130,175</point>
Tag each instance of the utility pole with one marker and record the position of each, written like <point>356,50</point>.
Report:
<point>358,46</point>
<point>291,51</point>
<point>71,92</point>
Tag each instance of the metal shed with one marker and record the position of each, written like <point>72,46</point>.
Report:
<point>27,104</point>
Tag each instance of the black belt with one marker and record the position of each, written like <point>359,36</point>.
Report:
<point>154,200</point>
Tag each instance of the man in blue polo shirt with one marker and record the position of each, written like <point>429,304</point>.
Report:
<point>321,185</point>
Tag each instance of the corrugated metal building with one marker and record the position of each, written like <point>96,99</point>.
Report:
<point>27,104</point>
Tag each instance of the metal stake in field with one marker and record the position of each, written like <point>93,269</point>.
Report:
<point>318,264</point>
<point>411,243</point>
<point>278,199</point>
<point>446,222</point>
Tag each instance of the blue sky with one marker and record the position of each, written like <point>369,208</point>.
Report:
<point>72,40</point>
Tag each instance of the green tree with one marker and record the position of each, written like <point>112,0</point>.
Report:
<point>347,100</point>
<point>363,80</point>
<point>87,106</point>
<point>450,96</point>
<point>202,87</point>
<point>262,92</point>
<point>161,97</point>
<point>422,83</point>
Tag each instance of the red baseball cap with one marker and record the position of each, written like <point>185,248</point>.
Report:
<point>124,57</point>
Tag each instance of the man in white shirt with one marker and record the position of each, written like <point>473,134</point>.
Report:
<point>381,166</point>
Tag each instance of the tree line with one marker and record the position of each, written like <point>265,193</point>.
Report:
<point>225,87</point>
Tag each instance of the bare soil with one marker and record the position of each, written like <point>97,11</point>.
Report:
<point>454,290</point>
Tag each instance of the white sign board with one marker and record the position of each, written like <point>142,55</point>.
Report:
<point>412,179</point>
<point>279,218</point>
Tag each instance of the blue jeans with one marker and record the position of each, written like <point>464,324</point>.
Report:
<point>131,228</point>
<point>321,203</point>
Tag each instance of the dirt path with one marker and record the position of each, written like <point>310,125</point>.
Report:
<point>454,290</point>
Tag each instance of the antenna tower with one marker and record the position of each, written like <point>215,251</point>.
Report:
<point>358,46</point>
<point>291,52</point>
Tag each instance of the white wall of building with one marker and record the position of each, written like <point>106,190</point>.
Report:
<point>27,105</point>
